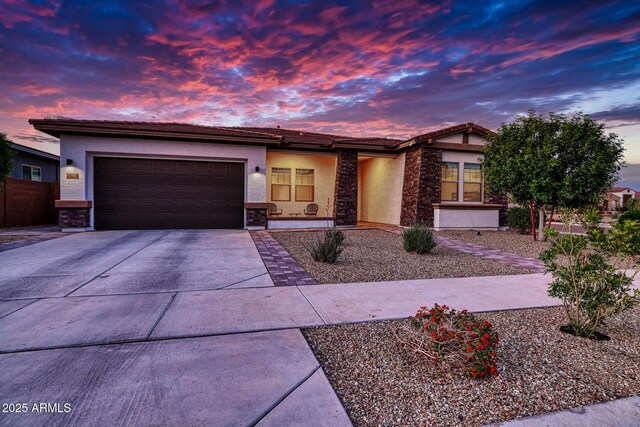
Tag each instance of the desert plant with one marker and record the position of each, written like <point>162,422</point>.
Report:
<point>519,218</point>
<point>419,238</point>
<point>590,271</point>
<point>328,248</point>
<point>455,341</point>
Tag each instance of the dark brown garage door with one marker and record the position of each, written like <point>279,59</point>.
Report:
<point>144,193</point>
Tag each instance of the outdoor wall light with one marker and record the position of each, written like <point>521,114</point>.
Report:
<point>257,168</point>
<point>69,162</point>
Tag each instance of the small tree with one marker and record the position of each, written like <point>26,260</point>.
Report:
<point>552,162</point>
<point>6,157</point>
<point>590,271</point>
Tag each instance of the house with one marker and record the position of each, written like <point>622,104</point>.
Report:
<point>34,165</point>
<point>617,196</point>
<point>135,175</point>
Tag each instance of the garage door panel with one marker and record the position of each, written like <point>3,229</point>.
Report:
<point>145,193</point>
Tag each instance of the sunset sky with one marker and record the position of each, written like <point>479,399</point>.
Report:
<point>389,68</point>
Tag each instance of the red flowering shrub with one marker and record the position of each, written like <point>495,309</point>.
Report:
<point>453,340</point>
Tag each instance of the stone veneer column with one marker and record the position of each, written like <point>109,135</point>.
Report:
<point>345,206</point>
<point>256,214</point>
<point>74,214</point>
<point>499,199</point>
<point>422,185</point>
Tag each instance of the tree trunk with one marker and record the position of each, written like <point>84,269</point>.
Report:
<point>541,225</point>
<point>553,210</point>
<point>533,220</point>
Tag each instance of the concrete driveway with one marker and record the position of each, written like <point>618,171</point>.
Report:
<point>129,262</point>
<point>118,326</point>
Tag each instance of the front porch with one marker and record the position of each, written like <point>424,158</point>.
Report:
<point>300,189</point>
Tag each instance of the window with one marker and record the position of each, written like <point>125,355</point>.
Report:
<point>32,173</point>
<point>280,184</point>
<point>472,182</point>
<point>304,185</point>
<point>449,181</point>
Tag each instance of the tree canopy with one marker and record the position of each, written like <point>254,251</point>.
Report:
<point>554,161</point>
<point>6,156</point>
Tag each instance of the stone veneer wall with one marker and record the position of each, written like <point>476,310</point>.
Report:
<point>499,199</point>
<point>345,208</point>
<point>256,217</point>
<point>421,187</point>
<point>74,217</point>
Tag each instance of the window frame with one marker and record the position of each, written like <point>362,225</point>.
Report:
<point>31,170</point>
<point>457,182</point>
<point>280,185</point>
<point>313,186</point>
<point>465,182</point>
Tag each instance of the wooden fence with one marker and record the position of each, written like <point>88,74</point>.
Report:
<point>24,202</point>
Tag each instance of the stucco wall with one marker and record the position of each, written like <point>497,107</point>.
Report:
<point>82,149</point>
<point>380,189</point>
<point>485,219</point>
<point>324,167</point>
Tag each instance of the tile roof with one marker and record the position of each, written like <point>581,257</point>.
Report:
<point>266,135</point>
<point>619,189</point>
<point>170,127</point>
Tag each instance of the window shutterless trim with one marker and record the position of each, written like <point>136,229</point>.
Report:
<point>456,182</point>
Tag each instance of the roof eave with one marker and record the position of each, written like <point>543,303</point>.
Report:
<point>59,129</point>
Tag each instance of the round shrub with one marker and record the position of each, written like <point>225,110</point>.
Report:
<point>519,218</point>
<point>455,341</point>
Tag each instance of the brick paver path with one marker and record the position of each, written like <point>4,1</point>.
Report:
<point>535,265</point>
<point>509,258</point>
<point>284,270</point>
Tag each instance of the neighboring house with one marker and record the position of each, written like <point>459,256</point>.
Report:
<point>132,175</point>
<point>34,165</point>
<point>618,196</point>
<point>611,202</point>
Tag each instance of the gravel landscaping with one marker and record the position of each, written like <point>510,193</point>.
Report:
<point>507,241</point>
<point>12,238</point>
<point>376,255</point>
<point>541,370</point>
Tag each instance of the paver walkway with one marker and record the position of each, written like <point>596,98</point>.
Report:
<point>284,270</point>
<point>532,264</point>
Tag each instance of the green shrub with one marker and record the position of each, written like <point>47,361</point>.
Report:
<point>589,273</point>
<point>630,215</point>
<point>519,218</point>
<point>630,205</point>
<point>419,238</point>
<point>329,247</point>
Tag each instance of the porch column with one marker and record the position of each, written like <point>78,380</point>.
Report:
<point>422,185</point>
<point>345,206</point>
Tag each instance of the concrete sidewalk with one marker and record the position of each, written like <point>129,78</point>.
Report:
<point>58,322</point>
<point>616,413</point>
